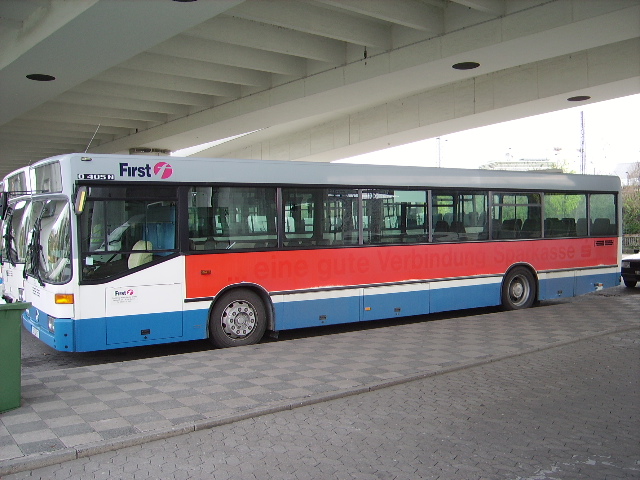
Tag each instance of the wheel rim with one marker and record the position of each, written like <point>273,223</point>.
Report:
<point>519,291</point>
<point>239,319</point>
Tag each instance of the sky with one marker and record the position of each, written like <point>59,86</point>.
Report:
<point>612,138</point>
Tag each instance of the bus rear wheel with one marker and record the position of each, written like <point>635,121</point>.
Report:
<point>518,289</point>
<point>237,318</point>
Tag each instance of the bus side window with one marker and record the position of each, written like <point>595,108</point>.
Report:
<point>388,214</point>
<point>225,218</point>
<point>516,215</point>
<point>565,214</point>
<point>602,214</point>
<point>459,216</point>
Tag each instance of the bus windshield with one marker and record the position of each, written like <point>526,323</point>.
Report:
<point>49,249</point>
<point>17,224</point>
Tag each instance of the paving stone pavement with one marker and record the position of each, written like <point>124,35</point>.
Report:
<point>535,413</point>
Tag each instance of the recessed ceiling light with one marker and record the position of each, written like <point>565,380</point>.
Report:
<point>579,98</point>
<point>40,77</point>
<point>466,65</point>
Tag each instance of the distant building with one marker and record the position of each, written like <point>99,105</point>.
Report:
<point>523,165</point>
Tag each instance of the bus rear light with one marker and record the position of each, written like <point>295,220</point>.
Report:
<point>64,298</point>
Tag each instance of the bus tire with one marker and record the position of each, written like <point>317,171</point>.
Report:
<point>237,318</point>
<point>630,283</point>
<point>518,289</point>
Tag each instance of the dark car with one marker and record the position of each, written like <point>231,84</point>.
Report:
<point>631,270</point>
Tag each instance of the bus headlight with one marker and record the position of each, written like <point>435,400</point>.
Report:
<point>626,264</point>
<point>52,324</point>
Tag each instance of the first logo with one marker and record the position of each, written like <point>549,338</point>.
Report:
<point>163,170</point>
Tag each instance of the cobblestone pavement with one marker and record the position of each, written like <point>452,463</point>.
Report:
<point>567,412</point>
<point>545,393</point>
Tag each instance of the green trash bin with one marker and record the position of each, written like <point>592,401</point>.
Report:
<point>10,354</point>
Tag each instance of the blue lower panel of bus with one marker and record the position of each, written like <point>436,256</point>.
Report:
<point>116,332</point>
<point>62,339</point>
<point>317,312</point>
<point>383,302</point>
<point>573,284</point>
<point>590,283</point>
<point>560,287</point>
<point>467,296</point>
<point>144,327</point>
<point>150,329</point>
<point>399,304</point>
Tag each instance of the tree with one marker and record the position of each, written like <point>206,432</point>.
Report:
<point>631,201</point>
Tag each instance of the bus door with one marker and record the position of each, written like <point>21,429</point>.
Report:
<point>129,246</point>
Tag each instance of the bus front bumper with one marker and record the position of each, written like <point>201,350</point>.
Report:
<point>55,332</point>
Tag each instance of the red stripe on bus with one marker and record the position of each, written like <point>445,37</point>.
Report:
<point>285,270</point>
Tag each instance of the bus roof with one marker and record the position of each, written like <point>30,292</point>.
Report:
<point>192,170</point>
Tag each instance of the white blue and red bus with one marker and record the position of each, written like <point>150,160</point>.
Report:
<point>133,250</point>
<point>17,223</point>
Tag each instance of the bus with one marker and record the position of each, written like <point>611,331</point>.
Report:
<point>141,250</point>
<point>17,223</point>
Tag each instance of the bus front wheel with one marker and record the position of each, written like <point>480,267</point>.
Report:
<point>237,318</point>
<point>518,289</point>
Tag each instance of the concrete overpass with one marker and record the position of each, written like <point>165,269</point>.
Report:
<point>315,80</point>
